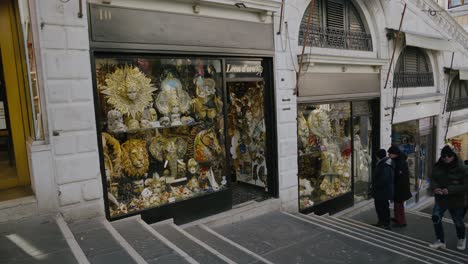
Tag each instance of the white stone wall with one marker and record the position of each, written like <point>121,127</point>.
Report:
<point>68,91</point>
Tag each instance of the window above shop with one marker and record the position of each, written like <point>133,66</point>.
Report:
<point>413,69</point>
<point>458,95</point>
<point>335,24</point>
<point>457,3</point>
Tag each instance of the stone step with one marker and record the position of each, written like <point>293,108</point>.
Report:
<point>225,246</point>
<point>418,252</point>
<point>196,249</point>
<point>148,246</point>
<point>410,240</point>
<point>32,240</point>
<point>101,243</point>
<point>18,208</point>
<point>281,238</point>
<point>419,227</point>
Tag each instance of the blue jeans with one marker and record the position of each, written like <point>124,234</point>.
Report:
<point>457,217</point>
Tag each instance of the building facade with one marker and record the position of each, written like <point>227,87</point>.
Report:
<point>126,109</point>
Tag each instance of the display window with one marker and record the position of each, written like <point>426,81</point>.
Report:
<point>162,130</point>
<point>415,139</point>
<point>174,129</point>
<point>325,150</point>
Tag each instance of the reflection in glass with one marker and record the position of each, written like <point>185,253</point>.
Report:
<point>362,129</point>
<point>324,141</point>
<point>32,71</point>
<point>405,135</point>
<point>162,130</point>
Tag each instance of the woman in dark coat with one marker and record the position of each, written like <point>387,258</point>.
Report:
<point>382,188</point>
<point>402,185</point>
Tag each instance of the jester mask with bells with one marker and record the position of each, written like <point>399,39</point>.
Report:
<point>128,90</point>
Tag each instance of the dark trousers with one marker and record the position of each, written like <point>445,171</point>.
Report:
<point>383,211</point>
<point>457,217</point>
<point>399,211</point>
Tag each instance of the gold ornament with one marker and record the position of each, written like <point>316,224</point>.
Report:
<point>112,158</point>
<point>135,159</point>
<point>128,90</point>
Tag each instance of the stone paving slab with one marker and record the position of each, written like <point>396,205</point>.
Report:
<point>418,227</point>
<point>34,240</point>
<point>190,247</point>
<point>147,245</point>
<point>283,239</point>
<point>97,243</point>
<point>221,246</point>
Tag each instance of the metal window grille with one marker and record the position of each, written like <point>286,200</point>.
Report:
<point>336,24</point>
<point>458,95</point>
<point>413,69</point>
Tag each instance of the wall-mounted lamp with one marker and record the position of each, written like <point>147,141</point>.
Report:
<point>240,5</point>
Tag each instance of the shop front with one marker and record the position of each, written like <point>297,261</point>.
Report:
<point>336,138</point>
<point>184,132</point>
<point>460,145</point>
<point>416,138</point>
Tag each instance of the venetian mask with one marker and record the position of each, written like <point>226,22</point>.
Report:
<point>128,90</point>
<point>193,166</point>
<point>135,159</point>
<point>206,146</point>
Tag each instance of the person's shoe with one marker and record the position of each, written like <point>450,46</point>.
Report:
<point>398,225</point>
<point>379,224</point>
<point>393,219</point>
<point>437,244</point>
<point>461,245</point>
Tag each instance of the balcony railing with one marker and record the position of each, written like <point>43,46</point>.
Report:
<point>413,79</point>
<point>336,38</point>
<point>457,104</point>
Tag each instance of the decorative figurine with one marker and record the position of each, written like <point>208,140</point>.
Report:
<point>115,121</point>
<point>135,159</point>
<point>172,100</point>
<point>128,90</point>
<point>133,124</point>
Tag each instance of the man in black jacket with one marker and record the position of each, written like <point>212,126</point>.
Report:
<point>402,190</point>
<point>449,183</point>
<point>382,188</point>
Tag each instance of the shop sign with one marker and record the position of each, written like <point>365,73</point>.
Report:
<point>244,69</point>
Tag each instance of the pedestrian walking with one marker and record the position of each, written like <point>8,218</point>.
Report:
<point>449,183</point>
<point>382,188</point>
<point>402,190</point>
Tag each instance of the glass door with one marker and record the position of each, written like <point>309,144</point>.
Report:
<point>247,134</point>
<point>362,140</point>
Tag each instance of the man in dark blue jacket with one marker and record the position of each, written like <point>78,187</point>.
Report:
<point>382,188</point>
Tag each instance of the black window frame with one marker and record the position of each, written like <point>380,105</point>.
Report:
<point>458,94</point>
<point>413,69</point>
<point>352,34</point>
